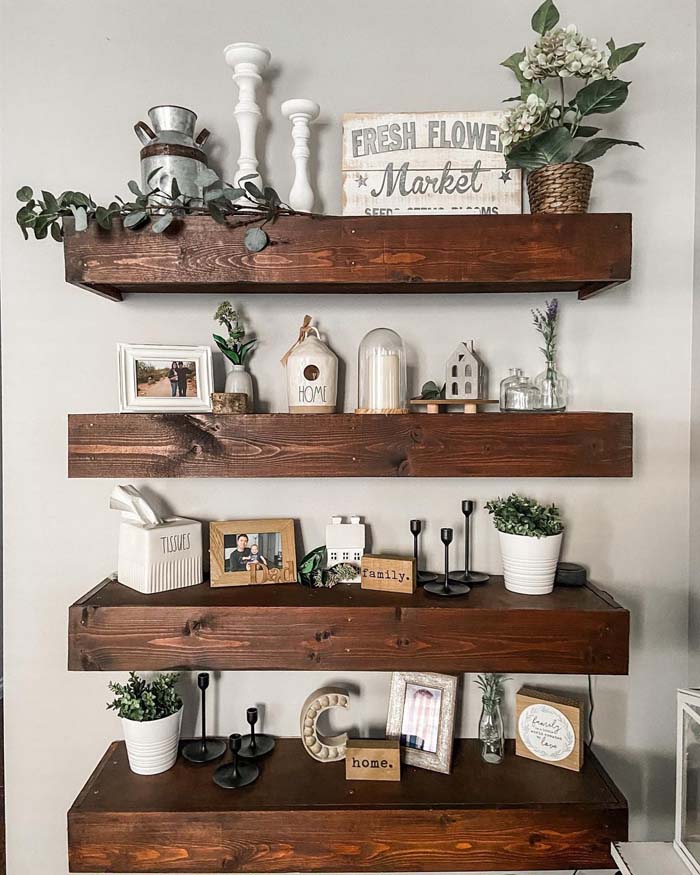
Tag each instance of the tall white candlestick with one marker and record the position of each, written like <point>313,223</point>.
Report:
<point>248,61</point>
<point>300,112</point>
<point>383,376</point>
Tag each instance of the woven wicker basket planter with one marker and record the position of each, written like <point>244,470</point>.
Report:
<point>560,188</point>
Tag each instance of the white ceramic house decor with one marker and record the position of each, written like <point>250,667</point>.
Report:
<point>300,113</point>
<point>248,62</point>
<point>312,373</point>
<point>466,376</point>
<point>325,749</point>
<point>155,554</point>
<point>345,543</point>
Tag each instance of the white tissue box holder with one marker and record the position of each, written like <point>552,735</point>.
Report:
<point>159,558</point>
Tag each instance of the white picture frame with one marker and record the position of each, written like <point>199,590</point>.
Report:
<point>688,705</point>
<point>438,755</point>
<point>129,355</point>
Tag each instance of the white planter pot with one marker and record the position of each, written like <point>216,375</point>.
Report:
<point>152,745</point>
<point>238,380</point>
<point>529,564</point>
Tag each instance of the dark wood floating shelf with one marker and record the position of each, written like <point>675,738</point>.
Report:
<point>331,254</point>
<point>575,630</point>
<point>348,445</point>
<point>303,816</point>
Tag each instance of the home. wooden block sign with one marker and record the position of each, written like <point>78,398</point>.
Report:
<point>369,759</point>
<point>427,162</point>
<point>549,728</point>
<point>388,573</point>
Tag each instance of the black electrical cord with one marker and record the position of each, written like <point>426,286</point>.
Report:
<point>591,706</point>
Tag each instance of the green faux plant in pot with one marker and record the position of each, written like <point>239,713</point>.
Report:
<point>236,351</point>
<point>151,715</point>
<point>530,536</point>
<point>546,134</point>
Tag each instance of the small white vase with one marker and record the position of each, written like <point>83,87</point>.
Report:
<point>529,564</point>
<point>152,744</point>
<point>238,380</point>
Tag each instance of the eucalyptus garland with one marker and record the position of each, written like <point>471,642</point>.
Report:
<point>247,205</point>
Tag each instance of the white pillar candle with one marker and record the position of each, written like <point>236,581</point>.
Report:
<point>384,383</point>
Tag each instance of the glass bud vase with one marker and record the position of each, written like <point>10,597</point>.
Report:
<point>491,733</point>
<point>553,388</point>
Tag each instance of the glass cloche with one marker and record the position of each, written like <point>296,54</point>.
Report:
<point>382,373</point>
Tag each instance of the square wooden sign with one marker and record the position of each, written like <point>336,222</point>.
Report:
<point>370,759</point>
<point>549,728</point>
<point>388,574</point>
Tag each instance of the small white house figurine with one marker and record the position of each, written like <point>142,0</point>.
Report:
<point>466,376</point>
<point>312,373</point>
<point>155,554</point>
<point>345,543</point>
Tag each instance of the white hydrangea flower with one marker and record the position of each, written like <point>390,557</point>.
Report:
<point>564,52</point>
<point>528,118</point>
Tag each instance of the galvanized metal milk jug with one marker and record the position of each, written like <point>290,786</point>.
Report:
<point>171,146</point>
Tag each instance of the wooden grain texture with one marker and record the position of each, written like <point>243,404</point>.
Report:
<point>528,818</point>
<point>541,253</point>
<point>346,445</point>
<point>574,630</point>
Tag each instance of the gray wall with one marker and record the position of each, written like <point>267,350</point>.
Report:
<point>76,76</point>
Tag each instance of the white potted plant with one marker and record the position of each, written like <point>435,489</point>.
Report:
<point>151,714</point>
<point>530,535</point>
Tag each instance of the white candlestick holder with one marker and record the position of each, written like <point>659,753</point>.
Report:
<point>248,62</point>
<point>301,113</point>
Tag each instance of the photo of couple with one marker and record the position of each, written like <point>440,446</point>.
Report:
<point>158,379</point>
<point>247,552</point>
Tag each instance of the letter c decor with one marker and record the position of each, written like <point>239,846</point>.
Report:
<point>323,748</point>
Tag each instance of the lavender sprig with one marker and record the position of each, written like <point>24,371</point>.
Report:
<point>546,323</point>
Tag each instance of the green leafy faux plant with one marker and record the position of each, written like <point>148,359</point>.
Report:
<point>544,129</point>
<point>491,686</point>
<point>517,515</point>
<point>143,701</point>
<point>233,347</point>
<point>431,390</point>
<point>247,204</point>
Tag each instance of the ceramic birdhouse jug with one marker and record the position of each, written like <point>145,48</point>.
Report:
<point>312,373</point>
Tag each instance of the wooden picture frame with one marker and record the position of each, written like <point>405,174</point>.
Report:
<point>440,725</point>
<point>235,563</point>
<point>175,397</point>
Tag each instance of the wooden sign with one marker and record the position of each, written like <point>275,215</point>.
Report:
<point>549,728</point>
<point>367,759</point>
<point>427,162</point>
<point>388,574</point>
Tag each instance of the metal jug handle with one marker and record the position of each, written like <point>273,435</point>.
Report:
<point>202,137</point>
<point>144,133</point>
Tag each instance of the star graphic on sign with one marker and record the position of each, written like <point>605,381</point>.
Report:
<point>361,180</point>
<point>505,176</point>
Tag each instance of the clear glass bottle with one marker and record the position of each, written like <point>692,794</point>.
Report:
<point>515,375</point>
<point>381,373</point>
<point>491,731</point>
<point>553,388</point>
<point>521,395</point>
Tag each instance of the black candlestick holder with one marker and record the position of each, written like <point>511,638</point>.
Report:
<point>254,746</point>
<point>203,750</point>
<point>421,576</point>
<point>467,576</point>
<point>447,587</point>
<point>237,773</point>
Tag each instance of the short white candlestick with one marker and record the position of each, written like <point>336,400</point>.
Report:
<point>248,61</point>
<point>301,112</point>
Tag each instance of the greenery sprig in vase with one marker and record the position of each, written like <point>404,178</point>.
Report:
<point>236,350</point>
<point>545,129</point>
<point>491,733</point>
<point>551,384</point>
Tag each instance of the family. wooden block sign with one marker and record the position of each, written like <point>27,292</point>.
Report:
<point>388,574</point>
<point>373,760</point>
<point>549,728</point>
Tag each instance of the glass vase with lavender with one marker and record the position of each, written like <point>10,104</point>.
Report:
<point>491,722</point>
<point>551,383</point>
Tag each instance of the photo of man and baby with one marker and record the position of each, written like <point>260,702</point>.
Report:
<point>256,553</point>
